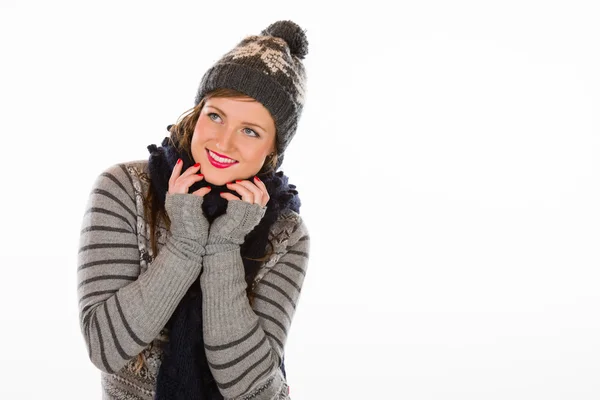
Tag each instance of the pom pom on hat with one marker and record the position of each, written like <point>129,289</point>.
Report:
<point>292,34</point>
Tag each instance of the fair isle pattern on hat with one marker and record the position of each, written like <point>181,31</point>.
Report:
<point>274,53</point>
<point>268,68</point>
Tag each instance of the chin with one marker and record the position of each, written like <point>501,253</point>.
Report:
<point>216,182</point>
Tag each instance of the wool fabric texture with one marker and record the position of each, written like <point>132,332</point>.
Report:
<point>129,286</point>
<point>269,68</point>
<point>184,372</point>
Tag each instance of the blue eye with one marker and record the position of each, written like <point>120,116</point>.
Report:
<point>210,115</point>
<point>253,132</point>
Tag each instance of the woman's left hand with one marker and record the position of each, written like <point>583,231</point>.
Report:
<point>253,193</point>
<point>241,217</point>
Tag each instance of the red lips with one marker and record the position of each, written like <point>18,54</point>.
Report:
<point>216,163</point>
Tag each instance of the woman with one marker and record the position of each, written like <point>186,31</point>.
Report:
<point>191,263</point>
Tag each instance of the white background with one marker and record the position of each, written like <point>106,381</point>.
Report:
<point>447,161</point>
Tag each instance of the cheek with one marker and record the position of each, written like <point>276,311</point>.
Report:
<point>200,132</point>
<point>198,140</point>
<point>257,155</point>
<point>195,141</point>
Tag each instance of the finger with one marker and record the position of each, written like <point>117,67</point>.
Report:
<point>259,194</point>
<point>187,181</point>
<point>247,194</point>
<point>192,170</point>
<point>202,191</point>
<point>229,196</point>
<point>176,171</point>
<point>261,185</point>
<point>183,183</point>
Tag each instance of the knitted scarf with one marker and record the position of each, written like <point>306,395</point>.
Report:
<point>184,373</point>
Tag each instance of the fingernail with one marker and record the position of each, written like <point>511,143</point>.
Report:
<point>257,178</point>
<point>200,175</point>
<point>179,161</point>
<point>238,181</point>
<point>209,187</point>
<point>197,165</point>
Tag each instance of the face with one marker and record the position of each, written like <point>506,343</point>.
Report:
<point>240,132</point>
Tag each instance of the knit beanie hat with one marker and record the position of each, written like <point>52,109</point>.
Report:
<point>268,68</point>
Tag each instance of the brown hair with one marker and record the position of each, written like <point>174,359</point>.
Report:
<point>181,134</point>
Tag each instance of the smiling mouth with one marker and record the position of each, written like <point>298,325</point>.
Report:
<point>219,161</point>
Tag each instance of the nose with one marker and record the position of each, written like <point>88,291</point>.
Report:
<point>225,140</point>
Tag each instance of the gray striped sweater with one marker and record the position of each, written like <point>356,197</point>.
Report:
<point>127,293</point>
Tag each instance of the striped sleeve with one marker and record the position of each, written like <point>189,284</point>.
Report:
<point>244,345</point>
<point>120,310</point>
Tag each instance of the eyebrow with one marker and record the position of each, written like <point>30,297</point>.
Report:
<point>245,123</point>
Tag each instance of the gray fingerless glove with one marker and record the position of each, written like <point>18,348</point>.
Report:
<point>187,218</point>
<point>238,221</point>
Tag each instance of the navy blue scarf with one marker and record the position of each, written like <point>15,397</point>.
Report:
<point>184,373</point>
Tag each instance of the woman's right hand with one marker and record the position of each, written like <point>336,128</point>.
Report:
<point>180,183</point>
<point>185,211</point>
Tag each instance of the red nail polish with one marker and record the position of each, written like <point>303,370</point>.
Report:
<point>209,187</point>
<point>200,174</point>
<point>179,161</point>
<point>197,165</point>
<point>257,178</point>
<point>238,181</point>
